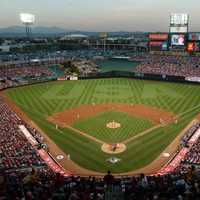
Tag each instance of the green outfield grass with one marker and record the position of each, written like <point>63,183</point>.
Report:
<point>43,100</point>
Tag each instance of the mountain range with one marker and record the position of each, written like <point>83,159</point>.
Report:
<point>38,31</point>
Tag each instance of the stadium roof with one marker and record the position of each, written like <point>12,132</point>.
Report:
<point>74,36</point>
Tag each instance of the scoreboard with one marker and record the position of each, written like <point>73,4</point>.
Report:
<point>179,19</point>
<point>179,23</point>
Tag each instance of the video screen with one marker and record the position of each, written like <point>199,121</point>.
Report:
<point>178,40</point>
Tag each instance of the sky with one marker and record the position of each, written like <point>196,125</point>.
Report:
<point>101,15</point>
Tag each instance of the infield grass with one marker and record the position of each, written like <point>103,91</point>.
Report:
<point>96,126</point>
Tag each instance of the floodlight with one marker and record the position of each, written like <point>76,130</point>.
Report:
<point>27,18</point>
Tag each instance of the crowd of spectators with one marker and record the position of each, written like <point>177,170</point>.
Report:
<point>16,75</point>
<point>188,134</point>
<point>5,84</point>
<point>44,184</point>
<point>186,66</point>
<point>15,151</point>
<point>64,54</point>
<point>15,72</point>
<point>193,156</point>
<point>20,72</point>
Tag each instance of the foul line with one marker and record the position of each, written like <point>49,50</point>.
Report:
<point>187,111</point>
<point>85,134</point>
<point>141,134</point>
<point>157,126</point>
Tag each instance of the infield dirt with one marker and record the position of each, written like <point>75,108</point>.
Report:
<point>69,117</point>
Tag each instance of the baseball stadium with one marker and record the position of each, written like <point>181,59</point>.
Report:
<point>106,125</point>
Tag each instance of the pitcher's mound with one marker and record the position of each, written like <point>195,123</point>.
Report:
<point>113,125</point>
<point>113,148</point>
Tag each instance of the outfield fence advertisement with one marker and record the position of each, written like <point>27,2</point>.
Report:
<point>193,79</point>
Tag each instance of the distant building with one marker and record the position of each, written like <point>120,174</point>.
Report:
<point>74,37</point>
<point>5,48</point>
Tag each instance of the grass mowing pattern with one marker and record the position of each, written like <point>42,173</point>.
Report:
<point>96,126</point>
<point>42,100</point>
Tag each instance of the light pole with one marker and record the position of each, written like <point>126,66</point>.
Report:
<point>28,20</point>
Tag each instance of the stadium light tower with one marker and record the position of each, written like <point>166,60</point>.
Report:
<point>104,37</point>
<point>28,20</point>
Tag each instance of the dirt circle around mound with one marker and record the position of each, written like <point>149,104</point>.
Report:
<point>113,149</point>
<point>113,125</point>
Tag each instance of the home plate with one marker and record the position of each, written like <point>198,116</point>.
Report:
<point>113,160</point>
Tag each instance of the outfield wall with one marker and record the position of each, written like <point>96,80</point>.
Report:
<point>117,74</point>
<point>123,74</point>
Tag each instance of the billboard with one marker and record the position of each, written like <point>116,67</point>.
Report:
<point>178,29</point>
<point>179,23</point>
<point>179,19</point>
<point>194,36</point>
<point>190,46</point>
<point>196,46</point>
<point>193,46</point>
<point>155,44</point>
<point>193,79</point>
<point>158,36</point>
<point>158,45</point>
<point>164,46</point>
<point>178,40</point>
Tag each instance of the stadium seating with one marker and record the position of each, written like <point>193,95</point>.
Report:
<point>15,151</point>
<point>169,65</point>
<point>12,76</point>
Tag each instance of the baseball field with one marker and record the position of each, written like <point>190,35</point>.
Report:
<point>81,117</point>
